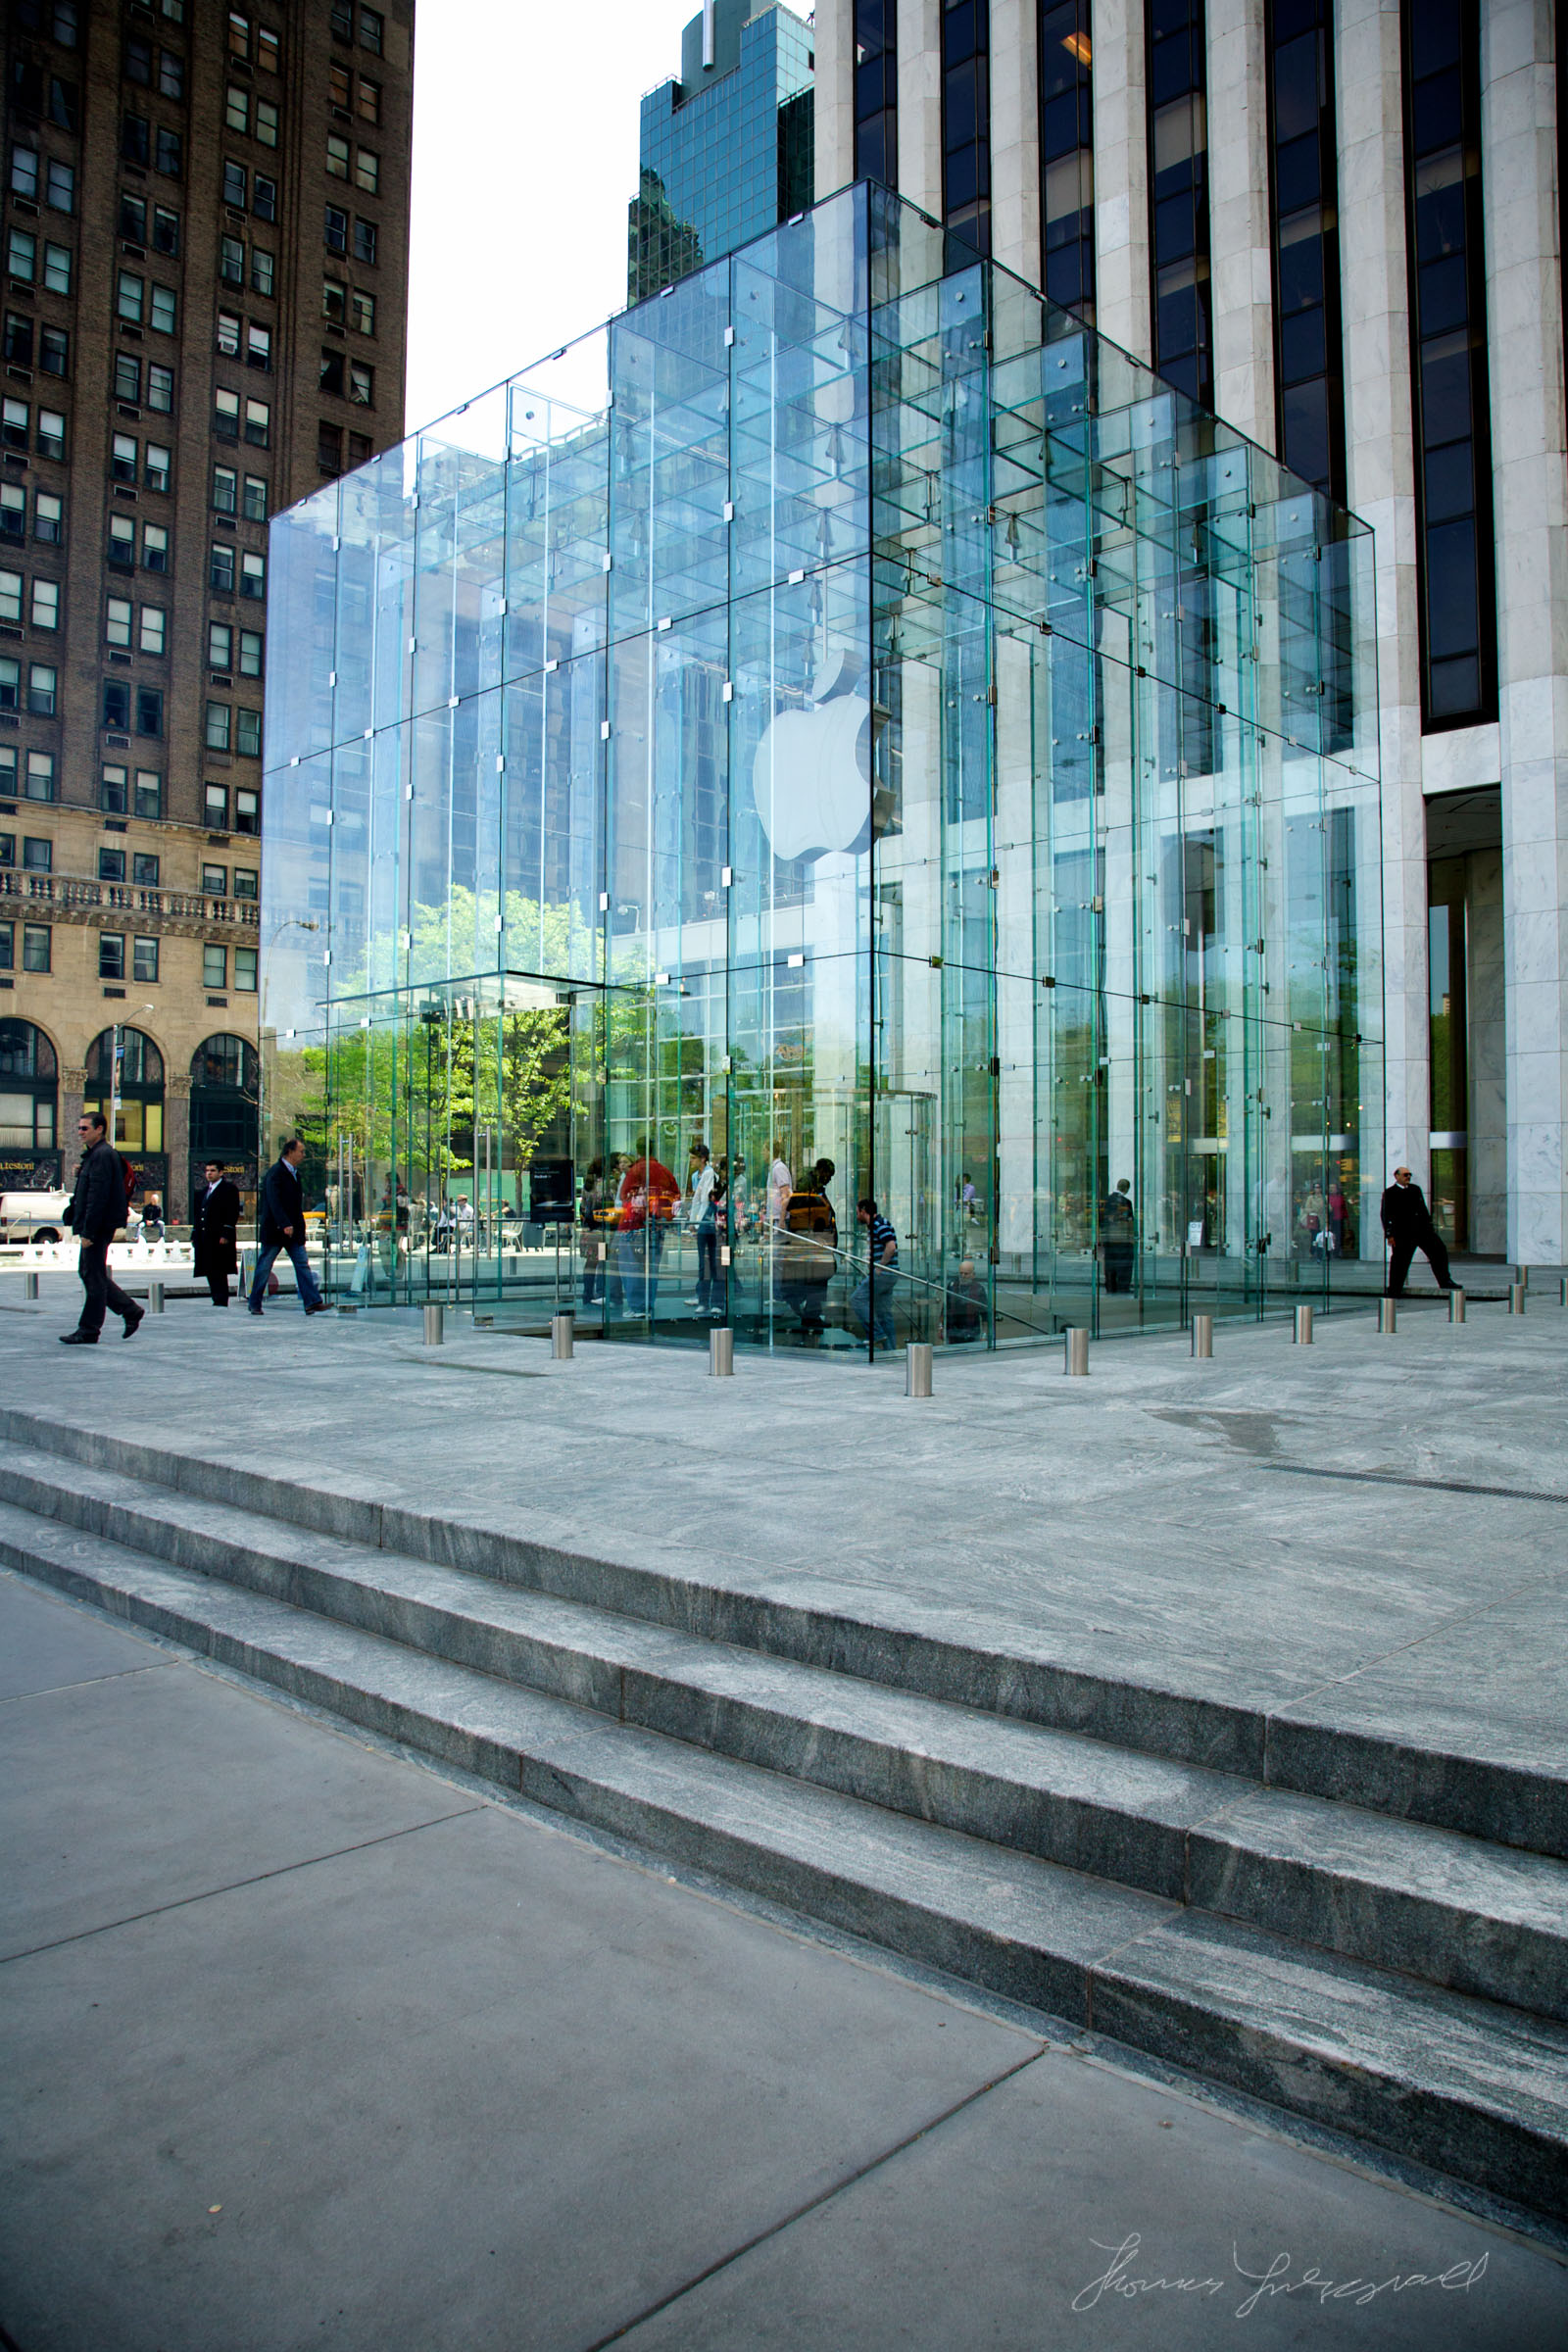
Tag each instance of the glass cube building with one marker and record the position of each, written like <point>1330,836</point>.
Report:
<point>840,710</point>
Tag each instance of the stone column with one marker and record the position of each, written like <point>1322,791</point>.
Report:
<point>1241,261</point>
<point>921,104</point>
<point>1382,489</point>
<point>834,115</point>
<point>1016,136</point>
<point>177,1144</point>
<point>1530,493</point>
<point>1121,176</point>
<point>73,1089</point>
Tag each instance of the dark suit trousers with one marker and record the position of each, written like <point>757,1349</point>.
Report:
<point>1403,1248</point>
<point>103,1292</point>
<point>218,1286</point>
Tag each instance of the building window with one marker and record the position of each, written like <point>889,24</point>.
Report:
<point>329,446</point>
<point>230,264</point>
<point>332,367</point>
<point>247,882</point>
<point>262,264</point>
<point>150,710</point>
<point>124,458</point>
<point>48,518</point>
<point>337,231</point>
<point>135,143</point>
<point>266,121</point>
<point>254,499</point>
<point>35,939</point>
<point>54,351</point>
<point>215,966</point>
<point>122,543</point>
<point>138,60</point>
<point>57,267</point>
<point>218,726</point>
<point>37,856</point>
<point>14,432</point>
<point>162,311</point>
<point>119,614</point>
<point>225,489</point>
<point>258,423</point>
<point>110,955</point>
<point>39,779</point>
<point>11,585</point>
<point>19,339</point>
<point>144,959</point>
<point>217,805</point>
<point>1178,179</point>
<point>50,440</point>
<point>154,546</point>
<point>259,347</point>
<point>166,231</point>
<point>1449,336</point>
<point>235,180</point>
<point>362,312</point>
<point>1067,155</point>
<point>251,648</point>
<point>340,87</point>
<point>338,156</point>
<point>264,196</point>
<point>144,869</point>
<point>247,812</point>
<point>148,799</point>
<point>245,961</point>
<point>367,172</point>
<point>152,629</point>
<point>238,109</point>
<point>967,121</point>
<point>160,388</point>
<point>127,377</point>
<point>113,787</point>
<point>130,299</point>
<point>21,255</point>
<point>220,569</point>
<point>43,681</point>
<point>10,688</point>
<point>368,100</point>
<point>61,187</point>
<point>360,448</point>
<point>247,733</point>
<point>168,154</point>
<point>225,414</point>
<point>8,947</point>
<point>877,91</point>
<point>362,385</point>
<point>170,73</point>
<point>334,301</point>
<point>371,23</point>
<point>253,575</point>
<point>219,645</point>
<point>214,881</point>
<point>111,865</point>
<point>13,511</point>
<point>364,241</point>
<point>25,173</point>
<point>156,466</point>
<point>132,217</point>
<point>45,607</point>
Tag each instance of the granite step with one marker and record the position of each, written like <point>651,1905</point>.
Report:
<point>1153,1706</point>
<point>1468,2088</point>
<point>1451,1910</point>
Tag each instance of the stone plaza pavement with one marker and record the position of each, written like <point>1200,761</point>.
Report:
<point>310,2042</point>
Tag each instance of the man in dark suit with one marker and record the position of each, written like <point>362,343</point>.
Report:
<point>97,1211</point>
<point>214,1217</point>
<point>282,1227</point>
<point>1408,1227</point>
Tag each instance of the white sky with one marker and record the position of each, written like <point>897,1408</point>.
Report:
<point>524,160</point>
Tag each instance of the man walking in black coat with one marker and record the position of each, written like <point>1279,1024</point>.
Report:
<point>1408,1227</point>
<point>282,1227</point>
<point>97,1211</point>
<point>214,1217</point>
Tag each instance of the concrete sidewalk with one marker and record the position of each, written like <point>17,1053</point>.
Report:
<point>303,2044</point>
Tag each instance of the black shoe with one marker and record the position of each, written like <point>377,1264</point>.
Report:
<point>319,1309</point>
<point>253,1311</point>
<point>133,1322</point>
<point>78,1339</point>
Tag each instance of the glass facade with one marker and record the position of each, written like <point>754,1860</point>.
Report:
<point>966,119</point>
<point>726,152</point>
<point>877,91</point>
<point>761,742</point>
<point>1067,155</point>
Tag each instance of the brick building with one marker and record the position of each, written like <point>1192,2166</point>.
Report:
<point>206,223</point>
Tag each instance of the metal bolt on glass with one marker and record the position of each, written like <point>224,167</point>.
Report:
<point>1387,1317</point>
<point>1456,1305</point>
<point>1203,1336</point>
<point>561,1332</point>
<point>917,1369</point>
<point>154,1298</point>
<point>434,1323</point>
<point>1076,1352</point>
<point>1516,1298</point>
<point>1304,1327</point>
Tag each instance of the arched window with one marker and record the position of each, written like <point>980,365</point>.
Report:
<point>28,1077</point>
<point>225,1094</point>
<point>140,1125</point>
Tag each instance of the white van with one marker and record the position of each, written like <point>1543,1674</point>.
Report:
<point>33,1216</point>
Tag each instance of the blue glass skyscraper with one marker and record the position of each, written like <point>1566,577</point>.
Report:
<point>726,151</point>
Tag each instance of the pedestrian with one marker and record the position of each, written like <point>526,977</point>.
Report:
<point>780,1184</point>
<point>702,1219</point>
<point>872,1303</point>
<point>591,1222</point>
<point>282,1227</point>
<point>966,1305</point>
<point>809,1257</point>
<point>98,1209</point>
<point>213,1220</point>
<point>647,1198</point>
<point>1407,1228</point>
<point>1118,1237</point>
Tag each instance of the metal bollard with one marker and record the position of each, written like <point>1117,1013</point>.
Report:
<point>917,1369</point>
<point>1519,1277</point>
<point>1516,1298</point>
<point>154,1298</point>
<point>1075,1355</point>
<point>1387,1318</point>
<point>562,1329</point>
<point>1456,1305</point>
<point>32,1281</point>
<point>1304,1327</point>
<point>1203,1336</point>
<point>1563,1298</point>
<point>721,1354</point>
<point>434,1323</point>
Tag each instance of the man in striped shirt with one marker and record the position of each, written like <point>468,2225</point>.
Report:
<point>872,1303</point>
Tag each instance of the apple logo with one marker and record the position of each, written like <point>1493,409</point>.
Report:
<point>812,775</point>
